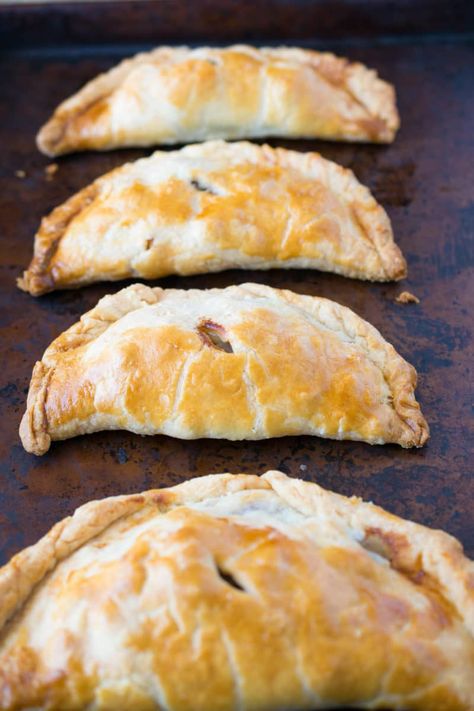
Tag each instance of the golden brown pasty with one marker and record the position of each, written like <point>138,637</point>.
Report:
<point>179,95</point>
<point>215,206</point>
<point>237,592</point>
<point>245,362</point>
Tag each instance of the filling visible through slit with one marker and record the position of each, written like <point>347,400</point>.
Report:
<point>229,579</point>
<point>376,542</point>
<point>214,335</point>
<point>199,185</point>
<point>394,547</point>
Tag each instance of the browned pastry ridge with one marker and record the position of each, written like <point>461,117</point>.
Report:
<point>237,592</point>
<point>215,206</point>
<point>180,95</point>
<point>245,362</point>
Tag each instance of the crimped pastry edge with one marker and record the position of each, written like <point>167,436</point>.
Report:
<point>401,377</point>
<point>439,554</point>
<point>37,279</point>
<point>372,217</point>
<point>364,85</point>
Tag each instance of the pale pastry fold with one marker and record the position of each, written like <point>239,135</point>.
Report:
<point>237,592</point>
<point>179,95</point>
<point>210,207</point>
<point>245,362</point>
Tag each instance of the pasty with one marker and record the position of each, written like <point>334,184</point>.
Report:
<point>215,206</point>
<point>237,592</point>
<point>180,95</point>
<point>245,362</point>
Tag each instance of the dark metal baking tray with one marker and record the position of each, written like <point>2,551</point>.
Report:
<point>425,180</point>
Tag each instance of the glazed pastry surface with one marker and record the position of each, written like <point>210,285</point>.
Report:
<point>237,592</point>
<point>210,207</point>
<point>180,95</point>
<point>245,362</point>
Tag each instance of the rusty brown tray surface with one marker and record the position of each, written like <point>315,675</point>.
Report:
<point>425,180</point>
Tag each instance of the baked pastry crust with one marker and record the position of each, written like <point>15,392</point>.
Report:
<point>215,206</point>
<point>245,362</point>
<point>180,95</point>
<point>234,591</point>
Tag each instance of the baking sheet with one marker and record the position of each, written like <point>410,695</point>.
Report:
<point>424,180</point>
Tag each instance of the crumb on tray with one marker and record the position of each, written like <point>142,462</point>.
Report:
<point>20,173</point>
<point>50,170</point>
<point>406,297</point>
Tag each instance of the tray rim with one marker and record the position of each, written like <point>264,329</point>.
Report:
<point>59,24</point>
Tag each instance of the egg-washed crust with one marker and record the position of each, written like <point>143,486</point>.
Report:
<point>430,560</point>
<point>367,247</point>
<point>329,97</point>
<point>400,421</point>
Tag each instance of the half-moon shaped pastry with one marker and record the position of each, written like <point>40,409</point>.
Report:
<point>237,592</point>
<point>215,206</point>
<point>245,362</point>
<point>179,95</point>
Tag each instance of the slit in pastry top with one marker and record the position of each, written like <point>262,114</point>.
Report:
<point>245,362</point>
<point>210,207</point>
<point>258,592</point>
<point>178,95</point>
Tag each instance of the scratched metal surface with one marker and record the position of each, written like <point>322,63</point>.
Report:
<point>425,182</point>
